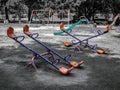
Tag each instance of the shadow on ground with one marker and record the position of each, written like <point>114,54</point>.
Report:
<point>97,73</point>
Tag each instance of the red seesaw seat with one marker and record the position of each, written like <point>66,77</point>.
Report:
<point>65,71</point>
<point>10,32</point>
<point>26,30</point>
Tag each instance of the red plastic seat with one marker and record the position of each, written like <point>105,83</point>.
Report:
<point>26,30</point>
<point>10,32</point>
<point>62,27</point>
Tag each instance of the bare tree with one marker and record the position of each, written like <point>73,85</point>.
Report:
<point>29,4</point>
<point>3,4</point>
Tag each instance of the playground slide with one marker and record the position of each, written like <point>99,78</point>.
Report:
<point>71,27</point>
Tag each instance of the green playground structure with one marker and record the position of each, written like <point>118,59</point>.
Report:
<point>71,27</point>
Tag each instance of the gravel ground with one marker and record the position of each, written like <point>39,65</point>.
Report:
<point>99,72</point>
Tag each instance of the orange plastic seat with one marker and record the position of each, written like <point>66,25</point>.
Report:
<point>62,27</point>
<point>65,71</point>
<point>75,64</point>
<point>107,29</point>
<point>26,30</point>
<point>67,44</point>
<point>10,32</point>
<point>102,51</point>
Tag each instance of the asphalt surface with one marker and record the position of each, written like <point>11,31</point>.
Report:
<point>99,72</point>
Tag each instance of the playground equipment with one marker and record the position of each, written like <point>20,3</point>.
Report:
<point>19,39</point>
<point>114,21</point>
<point>41,16</point>
<point>56,16</point>
<point>92,26</point>
<point>82,20</point>
<point>112,24</point>
<point>49,50</point>
<point>85,41</point>
<point>71,27</point>
<point>50,16</point>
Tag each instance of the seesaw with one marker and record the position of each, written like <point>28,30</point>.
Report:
<point>85,41</point>
<point>66,58</point>
<point>71,27</point>
<point>114,21</point>
<point>62,70</point>
<point>50,52</point>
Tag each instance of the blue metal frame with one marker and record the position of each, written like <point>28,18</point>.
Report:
<point>85,41</point>
<point>48,48</point>
<point>39,55</point>
<point>19,39</point>
<point>66,58</point>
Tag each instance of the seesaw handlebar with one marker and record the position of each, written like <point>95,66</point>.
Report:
<point>19,38</point>
<point>35,35</point>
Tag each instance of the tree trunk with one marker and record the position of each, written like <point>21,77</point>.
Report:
<point>6,14</point>
<point>29,14</point>
<point>19,16</point>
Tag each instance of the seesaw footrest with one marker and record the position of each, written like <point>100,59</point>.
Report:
<point>65,71</point>
<point>76,64</point>
<point>67,44</point>
<point>102,51</point>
